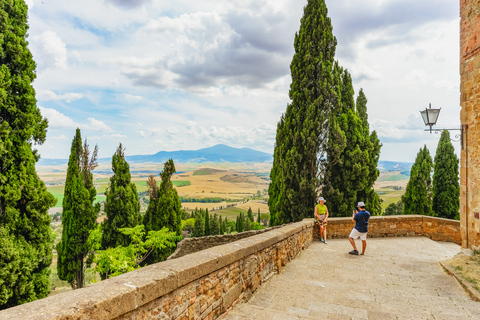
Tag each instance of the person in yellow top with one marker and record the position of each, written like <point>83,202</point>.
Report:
<point>321,218</point>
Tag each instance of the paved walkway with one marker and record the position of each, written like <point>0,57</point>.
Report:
<point>398,278</point>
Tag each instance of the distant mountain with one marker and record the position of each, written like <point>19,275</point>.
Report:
<point>217,153</point>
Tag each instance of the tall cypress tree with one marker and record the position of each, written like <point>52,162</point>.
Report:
<point>371,152</point>
<point>446,187</point>
<point>78,214</point>
<point>418,194</point>
<point>26,240</point>
<point>121,205</point>
<point>207,223</point>
<point>302,130</point>
<point>344,171</point>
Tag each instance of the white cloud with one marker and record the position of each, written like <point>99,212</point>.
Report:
<point>115,136</point>
<point>49,51</point>
<point>57,120</point>
<point>47,95</point>
<point>97,125</point>
<point>60,137</point>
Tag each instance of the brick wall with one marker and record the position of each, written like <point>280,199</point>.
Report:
<point>470,119</point>
<point>398,226</point>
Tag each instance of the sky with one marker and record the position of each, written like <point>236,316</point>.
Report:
<point>161,75</point>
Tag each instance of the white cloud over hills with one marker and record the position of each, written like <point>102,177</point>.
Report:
<point>189,74</point>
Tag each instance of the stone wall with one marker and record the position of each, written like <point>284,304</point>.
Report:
<point>398,226</point>
<point>470,120</point>
<point>191,245</point>
<point>200,285</point>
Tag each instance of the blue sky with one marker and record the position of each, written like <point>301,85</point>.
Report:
<point>162,75</point>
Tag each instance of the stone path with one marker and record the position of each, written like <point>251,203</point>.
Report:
<point>398,278</point>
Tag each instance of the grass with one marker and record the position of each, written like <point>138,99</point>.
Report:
<point>468,267</point>
<point>393,177</point>
<point>390,196</point>
<point>205,171</point>
<point>180,183</point>
<point>231,213</point>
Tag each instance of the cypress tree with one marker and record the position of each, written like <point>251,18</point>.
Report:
<point>446,187</point>
<point>207,223</point>
<point>258,216</point>
<point>418,194</point>
<point>250,213</point>
<point>26,241</point>
<point>164,209</point>
<point>371,155</point>
<point>352,155</point>
<point>302,129</point>
<point>199,226</point>
<point>214,225</point>
<point>121,205</point>
<point>78,214</point>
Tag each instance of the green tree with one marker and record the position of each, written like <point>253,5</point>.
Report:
<point>302,129</point>
<point>115,261</point>
<point>207,223</point>
<point>79,214</point>
<point>247,225</point>
<point>26,241</point>
<point>371,154</point>
<point>165,208</point>
<point>446,186</point>
<point>199,226</point>
<point>394,208</point>
<point>250,213</point>
<point>352,155</point>
<point>121,205</point>
<point>214,225</point>
<point>418,194</point>
<point>258,216</point>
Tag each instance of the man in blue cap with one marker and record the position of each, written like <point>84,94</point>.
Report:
<point>361,228</point>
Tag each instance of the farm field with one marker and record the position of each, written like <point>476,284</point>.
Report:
<point>213,186</point>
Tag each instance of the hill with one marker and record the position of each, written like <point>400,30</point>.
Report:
<point>217,153</point>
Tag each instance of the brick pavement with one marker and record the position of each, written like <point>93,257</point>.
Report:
<point>398,278</point>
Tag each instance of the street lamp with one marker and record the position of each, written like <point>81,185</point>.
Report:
<point>430,117</point>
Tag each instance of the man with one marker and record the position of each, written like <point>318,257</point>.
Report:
<point>361,228</point>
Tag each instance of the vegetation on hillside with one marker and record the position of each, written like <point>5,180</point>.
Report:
<point>25,234</point>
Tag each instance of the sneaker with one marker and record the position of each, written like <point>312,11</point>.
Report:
<point>321,240</point>
<point>325,241</point>
<point>354,252</point>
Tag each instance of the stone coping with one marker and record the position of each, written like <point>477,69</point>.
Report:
<point>119,295</point>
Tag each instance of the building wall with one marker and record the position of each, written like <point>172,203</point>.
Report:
<point>470,120</point>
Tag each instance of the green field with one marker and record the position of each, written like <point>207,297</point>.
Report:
<point>390,197</point>
<point>230,213</point>
<point>141,185</point>
<point>205,172</point>
<point>393,177</point>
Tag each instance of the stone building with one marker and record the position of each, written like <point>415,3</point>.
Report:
<point>470,120</point>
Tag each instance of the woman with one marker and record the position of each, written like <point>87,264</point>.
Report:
<point>321,217</point>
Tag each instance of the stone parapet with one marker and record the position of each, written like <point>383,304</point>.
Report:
<point>398,226</point>
<point>200,285</point>
<point>191,245</point>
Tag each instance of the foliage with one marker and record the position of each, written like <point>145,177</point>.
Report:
<point>247,225</point>
<point>214,225</point>
<point>352,155</point>
<point>418,194</point>
<point>250,214</point>
<point>188,225</point>
<point>446,186</point>
<point>256,226</point>
<point>395,208</point>
<point>25,234</point>
<point>79,214</point>
<point>121,205</point>
<point>240,223</point>
<point>302,129</point>
<point>199,226</point>
<point>115,261</point>
<point>207,223</point>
